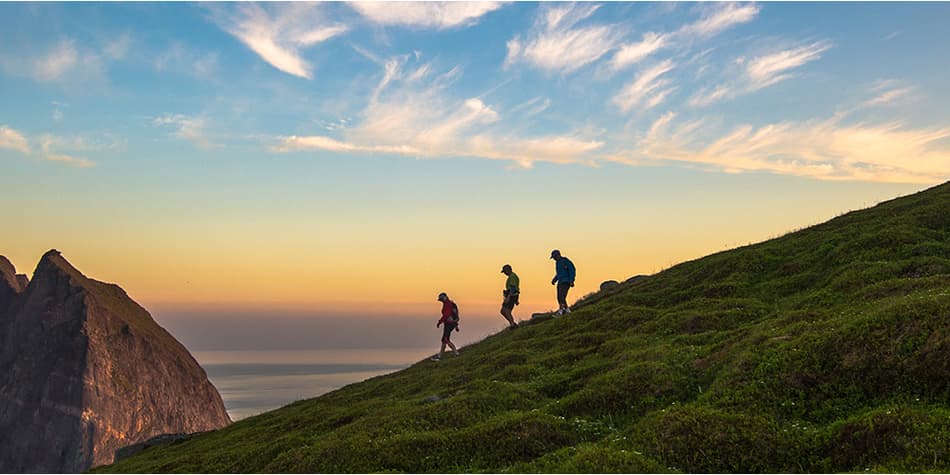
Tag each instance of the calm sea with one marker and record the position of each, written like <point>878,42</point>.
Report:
<point>252,382</point>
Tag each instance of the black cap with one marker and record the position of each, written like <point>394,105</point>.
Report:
<point>505,267</point>
<point>555,253</point>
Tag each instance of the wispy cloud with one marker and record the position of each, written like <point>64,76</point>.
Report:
<point>57,62</point>
<point>50,147</point>
<point>67,149</point>
<point>558,44</point>
<point>707,96</point>
<point>391,71</point>
<point>891,35</point>
<point>318,142</point>
<point>394,70</point>
<point>65,62</point>
<point>420,73</point>
<point>887,93</point>
<point>438,15</point>
<point>423,120</point>
<point>13,140</point>
<point>280,33</point>
<point>192,129</point>
<point>718,19</point>
<point>333,126</point>
<point>769,69</point>
<point>760,72</point>
<point>117,48</point>
<point>71,160</point>
<point>522,151</point>
<point>532,107</point>
<point>58,113</point>
<point>632,53</point>
<point>472,112</point>
<point>79,143</point>
<point>648,90</point>
<point>180,59</point>
<point>827,150</point>
<point>526,151</point>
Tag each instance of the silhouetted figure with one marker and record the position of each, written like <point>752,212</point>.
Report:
<point>511,293</point>
<point>564,274</point>
<point>450,317</point>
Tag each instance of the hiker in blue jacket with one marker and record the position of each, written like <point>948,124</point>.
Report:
<point>564,278</point>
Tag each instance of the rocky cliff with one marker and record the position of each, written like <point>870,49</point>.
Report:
<point>11,283</point>
<point>84,371</point>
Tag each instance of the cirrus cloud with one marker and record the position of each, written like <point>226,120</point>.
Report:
<point>766,70</point>
<point>719,19</point>
<point>422,120</point>
<point>438,15</point>
<point>760,72</point>
<point>648,90</point>
<point>13,140</point>
<point>280,33</point>
<point>54,148</point>
<point>822,149</point>
<point>632,53</point>
<point>558,44</point>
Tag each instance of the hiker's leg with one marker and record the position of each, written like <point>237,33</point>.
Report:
<point>506,312</point>
<point>562,294</point>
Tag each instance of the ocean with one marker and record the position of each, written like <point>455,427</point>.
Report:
<point>252,382</point>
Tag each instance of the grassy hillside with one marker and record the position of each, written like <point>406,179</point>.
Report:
<point>824,350</point>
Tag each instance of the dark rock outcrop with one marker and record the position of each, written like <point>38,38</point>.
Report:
<point>84,371</point>
<point>10,288</point>
<point>608,284</point>
<point>10,284</point>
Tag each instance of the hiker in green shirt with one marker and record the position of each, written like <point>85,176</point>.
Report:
<point>511,293</point>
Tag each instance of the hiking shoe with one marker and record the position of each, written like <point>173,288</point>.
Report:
<point>559,312</point>
<point>458,354</point>
<point>567,310</point>
<point>436,358</point>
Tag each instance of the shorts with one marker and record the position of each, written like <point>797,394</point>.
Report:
<point>447,330</point>
<point>510,302</point>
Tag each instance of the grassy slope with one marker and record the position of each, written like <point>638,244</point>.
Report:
<point>824,350</point>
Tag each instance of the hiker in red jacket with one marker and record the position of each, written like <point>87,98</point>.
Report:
<point>450,317</point>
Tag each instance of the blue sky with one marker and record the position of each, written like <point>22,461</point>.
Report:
<point>326,155</point>
<point>523,83</point>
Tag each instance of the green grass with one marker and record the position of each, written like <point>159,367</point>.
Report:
<point>825,350</point>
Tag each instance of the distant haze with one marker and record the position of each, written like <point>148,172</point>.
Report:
<point>257,332</point>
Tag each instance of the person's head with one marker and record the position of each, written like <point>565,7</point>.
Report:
<point>506,269</point>
<point>555,254</point>
<point>443,297</point>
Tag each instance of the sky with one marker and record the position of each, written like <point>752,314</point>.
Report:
<point>319,172</point>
